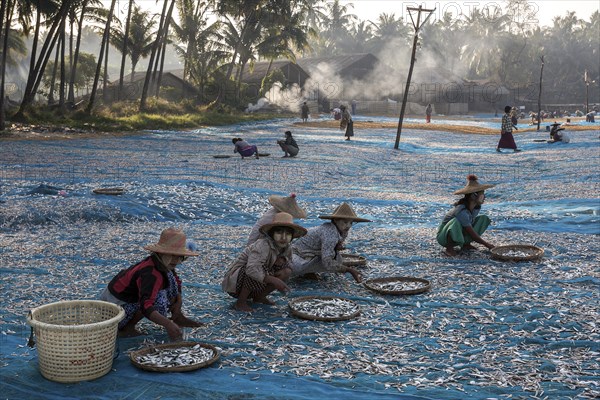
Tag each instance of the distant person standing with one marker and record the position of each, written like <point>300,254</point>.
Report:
<point>304,111</point>
<point>428,111</point>
<point>346,122</point>
<point>353,105</point>
<point>507,141</point>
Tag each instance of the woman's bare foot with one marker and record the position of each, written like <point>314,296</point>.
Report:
<point>129,332</point>
<point>450,252</point>
<point>182,320</point>
<point>469,246</point>
<point>264,300</point>
<point>242,306</point>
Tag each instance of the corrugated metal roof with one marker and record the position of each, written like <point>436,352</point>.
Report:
<point>339,63</point>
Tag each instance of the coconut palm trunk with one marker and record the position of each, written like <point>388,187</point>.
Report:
<point>90,104</point>
<point>124,50</point>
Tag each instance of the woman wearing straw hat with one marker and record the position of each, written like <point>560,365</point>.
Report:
<point>463,224</point>
<point>319,250</point>
<point>151,288</point>
<point>264,266</point>
<point>286,204</point>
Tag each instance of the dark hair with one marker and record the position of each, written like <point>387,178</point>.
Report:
<point>237,139</point>
<point>465,199</point>
<point>288,133</point>
<point>274,229</point>
<point>507,109</point>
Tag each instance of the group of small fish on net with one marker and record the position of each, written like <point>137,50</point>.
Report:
<point>398,285</point>
<point>176,357</point>
<point>325,307</point>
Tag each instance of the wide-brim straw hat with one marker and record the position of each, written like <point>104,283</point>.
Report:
<point>284,220</point>
<point>473,186</point>
<point>172,241</point>
<point>344,211</point>
<point>288,205</point>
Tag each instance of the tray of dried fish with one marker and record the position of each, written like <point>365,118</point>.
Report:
<point>174,357</point>
<point>221,156</point>
<point>110,191</point>
<point>398,285</point>
<point>324,308</point>
<point>517,252</point>
<point>353,260</point>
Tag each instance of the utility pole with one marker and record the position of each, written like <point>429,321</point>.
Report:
<point>587,88</point>
<point>539,115</point>
<point>417,26</point>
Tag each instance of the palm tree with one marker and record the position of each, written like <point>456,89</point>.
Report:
<point>160,36</point>
<point>35,75</point>
<point>139,43</point>
<point>124,49</point>
<point>104,43</point>
<point>336,32</point>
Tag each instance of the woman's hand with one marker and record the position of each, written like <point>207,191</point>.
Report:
<point>277,283</point>
<point>174,331</point>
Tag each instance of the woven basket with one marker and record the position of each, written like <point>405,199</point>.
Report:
<point>372,284</point>
<point>221,156</point>
<point>303,315</point>
<point>353,260</point>
<point>133,356</point>
<point>503,252</point>
<point>75,339</point>
<point>111,191</point>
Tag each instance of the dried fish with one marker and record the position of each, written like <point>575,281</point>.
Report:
<point>326,307</point>
<point>176,357</point>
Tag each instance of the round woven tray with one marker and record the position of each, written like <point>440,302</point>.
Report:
<point>504,252</point>
<point>304,315</point>
<point>372,284</point>
<point>135,354</point>
<point>353,260</point>
<point>264,154</point>
<point>221,156</point>
<point>111,191</point>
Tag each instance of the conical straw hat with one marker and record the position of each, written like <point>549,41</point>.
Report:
<point>473,186</point>
<point>172,241</point>
<point>344,211</point>
<point>288,205</point>
<point>283,219</point>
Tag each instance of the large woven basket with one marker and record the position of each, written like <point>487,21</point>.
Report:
<point>75,339</point>
<point>134,355</point>
<point>517,252</point>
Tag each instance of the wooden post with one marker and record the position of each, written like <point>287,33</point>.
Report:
<point>539,115</point>
<point>417,26</point>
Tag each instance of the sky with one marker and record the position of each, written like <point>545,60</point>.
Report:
<point>545,10</point>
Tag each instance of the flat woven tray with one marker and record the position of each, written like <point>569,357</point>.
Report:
<point>353,309</point>
<point>111,191</point>
<point>221,156</point>
<point>264,154</point>
<point>134,357</point>
<point>517,252</point>
<point>353,260</point>
<point>378,285</point>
